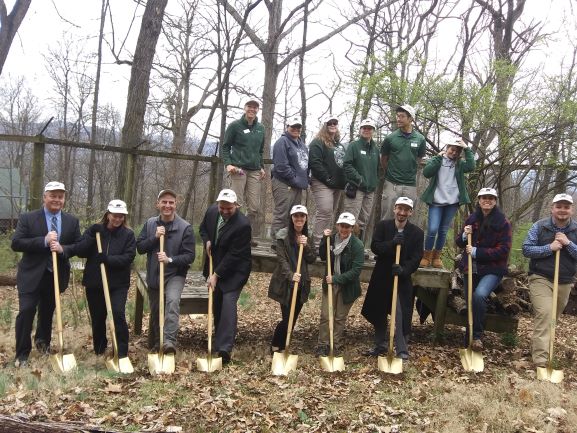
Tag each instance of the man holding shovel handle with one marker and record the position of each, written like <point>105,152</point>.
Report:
<point>388,234</point>
<point>38,234</point>
<point>546,238</point>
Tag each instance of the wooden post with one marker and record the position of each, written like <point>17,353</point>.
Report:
<point>37,176</point>
<point>212,193</point>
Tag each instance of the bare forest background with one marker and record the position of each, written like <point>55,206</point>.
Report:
<point>491,71</point>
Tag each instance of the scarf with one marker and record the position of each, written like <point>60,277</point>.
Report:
<point>339,247</point>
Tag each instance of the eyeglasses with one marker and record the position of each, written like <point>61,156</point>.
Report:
<point>332,123</point>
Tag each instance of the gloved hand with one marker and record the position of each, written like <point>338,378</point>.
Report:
<point>350,190</point>
<point>399,239</point>
<point>397,270</point>
<point>95,228</point>
<point>100,258</point>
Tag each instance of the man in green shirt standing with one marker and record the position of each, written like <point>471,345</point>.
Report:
<point>242,155</point>
<point>401,153</point>
<point>361,165</point>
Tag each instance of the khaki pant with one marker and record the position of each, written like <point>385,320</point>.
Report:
<point>326,200</point>
<point>541,292</point>
<point>284,198</point>
<point>340,314</point>
<point>247,187</point>
<point>360,207</point>
<point>391,192</point>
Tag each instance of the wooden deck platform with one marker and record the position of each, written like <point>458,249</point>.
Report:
<point>432,288</point>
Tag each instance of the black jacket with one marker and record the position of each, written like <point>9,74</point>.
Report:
<point>29,240</point>
<point>231,255</point>
<point>119,246</point>
<point>379,293</point>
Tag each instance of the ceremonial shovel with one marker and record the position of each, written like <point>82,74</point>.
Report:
<point>331,363</point>
<point>283,362</point>
<point>209,364</point>
<point>471,360</point>
<point>159,363</point>
<point>60,362</point>
<point>119,365</point>
<point>548,373</point>
<point>390,363</point>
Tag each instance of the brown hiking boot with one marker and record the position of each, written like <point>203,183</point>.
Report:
<point>426,260</point>
<point>436,260</point>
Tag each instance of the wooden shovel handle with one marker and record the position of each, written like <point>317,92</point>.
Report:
<point>106,291</point>
<point>470,291</point>
<point>330,298</point>
<point>293,301</point>
<point>209,315</point>
<point>161,299</point>
<point>394,302</point>
<point>554,308</point>
<point>57,302</point>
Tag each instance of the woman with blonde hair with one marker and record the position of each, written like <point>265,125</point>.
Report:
<point>326,155</point>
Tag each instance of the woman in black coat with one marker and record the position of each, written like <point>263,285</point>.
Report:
<point>284,276</point>
<point>118,251</point>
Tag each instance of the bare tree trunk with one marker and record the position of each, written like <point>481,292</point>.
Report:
<point>9,24</point>
<point>138,90</point>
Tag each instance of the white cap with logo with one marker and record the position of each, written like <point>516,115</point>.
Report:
<point>330,117</point>
<point>299,208</point>
<point>293,121</point>
<point>487,191</point>
<point>227,195</point>
<point>563,197</point>
<point>367,122</point>
<point>54,186</point>
<point>347,218</point>
<point>117,206</point>
<point>404,200</point>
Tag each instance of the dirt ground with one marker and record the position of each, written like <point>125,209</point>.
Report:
<point>433,394</point>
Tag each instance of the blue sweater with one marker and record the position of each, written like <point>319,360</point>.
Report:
<point>291,160</point>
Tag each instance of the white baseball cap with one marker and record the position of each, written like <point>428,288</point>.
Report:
<point>330,117</point>
<point>367,122</point>
<point>487,191</point>
<point>563,197</point>
<point>458,143</point>
<point>293,121</point>
<point>299,208</point>
<point>408,108</point>
<point>54,186</point>
<point>227,195</point>
<point>347,218</point>
<point>117,206</point>
<point>404,200</point>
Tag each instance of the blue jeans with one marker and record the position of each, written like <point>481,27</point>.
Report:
<point>485,285</point>
<point>440,218</point>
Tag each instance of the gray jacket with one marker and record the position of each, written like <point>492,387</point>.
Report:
<point>178,245</point>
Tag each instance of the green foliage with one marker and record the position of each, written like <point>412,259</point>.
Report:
<point>245,300</point>
<point>509,339</point>
<point>8,258</point>
<point>6,314</point>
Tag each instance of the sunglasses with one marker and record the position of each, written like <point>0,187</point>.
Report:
<point>332,123</point>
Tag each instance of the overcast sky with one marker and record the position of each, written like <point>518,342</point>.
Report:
<point>48,20</point>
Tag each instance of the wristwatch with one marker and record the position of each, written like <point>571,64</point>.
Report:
<point>170,260</point>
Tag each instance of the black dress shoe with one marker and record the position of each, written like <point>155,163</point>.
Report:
<point>375,351</point>
<point>168,349</point>
<point>225,356</point>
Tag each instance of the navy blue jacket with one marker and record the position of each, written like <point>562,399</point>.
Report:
<point>291,160</point>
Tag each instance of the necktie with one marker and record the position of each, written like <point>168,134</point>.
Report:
<point>54,224</point>
<point>53,228</point>
<point>221,223</point>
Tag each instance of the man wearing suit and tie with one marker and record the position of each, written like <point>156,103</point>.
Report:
<point>226,234</point>
<point>37,234</point>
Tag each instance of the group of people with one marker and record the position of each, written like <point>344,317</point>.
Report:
<point>335,169</point>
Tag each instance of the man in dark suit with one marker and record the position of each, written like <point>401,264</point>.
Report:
<point>38,233</point>
<point>226,234</point>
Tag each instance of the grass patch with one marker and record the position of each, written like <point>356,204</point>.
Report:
<point>509,339</point>
<point>245,300</point>
<point>6,314</point>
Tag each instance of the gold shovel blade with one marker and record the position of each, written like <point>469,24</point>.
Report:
<point>125,366</point>
<point>112,364</point>
<point>63,363</point>
<point>209,365</point>
<point>161,364</point>
<point>553,376</point>
<point>390,364</point>
<point>332,363</point>
<point>471,360</point>
<point>283,364</point>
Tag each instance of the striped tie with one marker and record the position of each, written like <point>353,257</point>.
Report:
<point>53,228</point>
